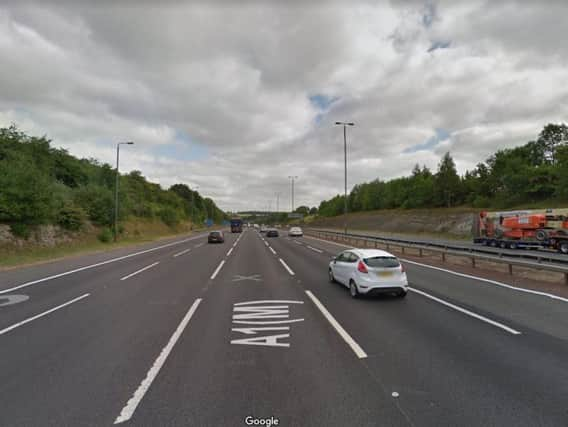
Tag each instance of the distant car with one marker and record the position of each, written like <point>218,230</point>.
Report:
<point>216,237</point>
<point>255,225</point>
<point>295,232</point>
<point>263,228</point>
<point>272,232</point>
<point>369,272</point>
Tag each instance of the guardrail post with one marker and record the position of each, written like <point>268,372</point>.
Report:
<point>376,244</point>
<point>511,269</point>
<point>443,257</point>
<point>388,247</point>
<point>566,279</point>
<point>402,249</point>
<point>473,262</point>
<point>420,252</point>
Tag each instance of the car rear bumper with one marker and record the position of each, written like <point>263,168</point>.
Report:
<point>371,288</point>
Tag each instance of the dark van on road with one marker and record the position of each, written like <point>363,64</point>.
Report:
<point>216,237</point>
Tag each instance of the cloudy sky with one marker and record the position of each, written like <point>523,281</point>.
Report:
<point>234,99</point>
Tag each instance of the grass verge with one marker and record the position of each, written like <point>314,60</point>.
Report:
<point>86,244</point>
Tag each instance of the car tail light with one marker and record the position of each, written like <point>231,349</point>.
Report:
<point>361,267</point>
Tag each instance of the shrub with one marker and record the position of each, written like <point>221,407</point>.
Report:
<point>169,216</point>
<point>71,217</point>
<point>105,235</point>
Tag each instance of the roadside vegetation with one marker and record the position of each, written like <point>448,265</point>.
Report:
<point>42,185</point>
<point>529,176</point>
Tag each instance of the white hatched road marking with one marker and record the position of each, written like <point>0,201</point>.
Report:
<point>217,270</point>
<point>181,253</point>
<point>45,313</point>
<point>286,266</point>
<point>140,271</point>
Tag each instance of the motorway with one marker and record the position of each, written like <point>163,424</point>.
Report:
<point>185,333</point>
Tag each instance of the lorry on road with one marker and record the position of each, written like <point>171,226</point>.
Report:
<point>236,225</point>
<point>529,229</point>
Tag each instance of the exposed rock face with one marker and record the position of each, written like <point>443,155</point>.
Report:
<point>41,235</point>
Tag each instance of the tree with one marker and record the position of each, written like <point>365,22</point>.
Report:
<point>551,137</point>
<point>447,182</point>
<point>304,210</point>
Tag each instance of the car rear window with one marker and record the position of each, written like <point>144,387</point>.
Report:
<point>215,234</point>
<point>382,262</point>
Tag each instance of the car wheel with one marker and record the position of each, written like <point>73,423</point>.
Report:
<point>402,294</point>
<point>331,276</point>
<point>353,289</point>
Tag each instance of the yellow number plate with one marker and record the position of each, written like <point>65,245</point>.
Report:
<point>384,274</point>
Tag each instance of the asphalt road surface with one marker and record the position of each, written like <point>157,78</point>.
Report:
<point>185,333</point>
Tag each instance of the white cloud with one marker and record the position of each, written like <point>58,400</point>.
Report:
<point>237,81</point>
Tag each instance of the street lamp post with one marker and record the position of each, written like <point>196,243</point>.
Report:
<point>345,124</point>
<point>116,187</point>
<point>292,200</point>
<point>277,202</point>
<point>193,205</point>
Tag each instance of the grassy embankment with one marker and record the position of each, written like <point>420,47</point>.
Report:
<point>439,223</point>
<point>136,232</point>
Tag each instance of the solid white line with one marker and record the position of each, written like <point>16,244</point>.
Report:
<point>493,282</point>
<point>455,273</point>
<point>315,249</point>
<point>140,271</point>
<point>198,245</point>
<point>342,332</point>
<point>230,250</point>
<point>37,316</point>
<point>87,267</point>
<point>266,243</point>
<point>181,253</point>
<point>469,313</point>
<point>135,400</point>
<point>286,266</point>
<point>272,250</point>
<point>297,242</point>
<point>217,270</point>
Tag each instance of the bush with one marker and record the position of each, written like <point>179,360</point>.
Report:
<point>71,217</point>
<point>481,202</point>
<point>98,202</point>
<point>20,230</point>
<point>105,235</point>
<point>169,216</point>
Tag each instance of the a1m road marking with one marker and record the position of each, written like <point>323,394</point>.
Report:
<point>256,315</point>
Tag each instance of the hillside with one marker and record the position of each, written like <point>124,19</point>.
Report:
<point>450,223</point>
<point>49,197</point>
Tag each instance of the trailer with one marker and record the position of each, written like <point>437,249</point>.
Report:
<point>526,229</point>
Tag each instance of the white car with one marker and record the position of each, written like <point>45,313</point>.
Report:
<point>295,232</point>
<point>263,228</point>
<point>369,272</point>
